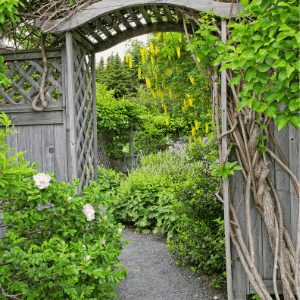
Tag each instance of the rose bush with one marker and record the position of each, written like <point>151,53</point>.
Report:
<point>67,250</point>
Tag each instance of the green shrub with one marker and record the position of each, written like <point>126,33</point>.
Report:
<point>144,201</point>
<point>200,241</point>
<point>109,180</point>
<point>58,252</point>
<point>152,137</point>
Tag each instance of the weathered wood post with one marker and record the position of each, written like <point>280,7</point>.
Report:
<point>226,181</point>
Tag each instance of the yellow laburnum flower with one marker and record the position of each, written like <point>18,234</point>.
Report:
<point>196,125</point>
<point>206,127</point>
<point>198,59</point>
<point>152,60</point>
<point>130,62</point>
<point>193,131</point>
<point>179,39</point>
<point>191,140</point>
<point>165,108</point>
<point>148,82</point>
<point>153,93</point>
<point>146,52</point>
<point>152,48</point>
<point>126,58</point>
<point>143,55</point>
<point>156,49</point>
<point>158,35</point>
<point>178,52</point>
<point>191,102</point>
<point>169,56</point>
<point>200,139</point>
<point>167,120</point>
<point>192,80</point>
<point>139,73</point>
<point>155,76</point>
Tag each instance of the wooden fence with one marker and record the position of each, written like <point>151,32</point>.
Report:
<point>288,143</point>
<point>62,138</point>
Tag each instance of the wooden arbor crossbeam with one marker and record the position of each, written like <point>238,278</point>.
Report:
<point>110,22</point>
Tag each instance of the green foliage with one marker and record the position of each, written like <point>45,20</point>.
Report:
<point>55,252</point>
<point>200,241</point>
<point>109,180</point>
<point>117,76</point>
<point>115,119</point>
<point>152,137</point>
<point>11,169</point>
<point>225,170</point>
<point>264,54</point>
<point>165,62</point>
<point>144,201</point>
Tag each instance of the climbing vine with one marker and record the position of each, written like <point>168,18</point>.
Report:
<point>262,62</point>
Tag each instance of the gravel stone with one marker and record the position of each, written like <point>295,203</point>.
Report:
<point>154,275</point>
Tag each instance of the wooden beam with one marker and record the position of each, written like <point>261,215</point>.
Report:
<point>168,13</point>
<point>35,118</point>
<point>136,31</point>
<point>157,14</point>
<point>122,19</point>
<point>226,181</point>
<point>145,14</point>
<point>108,6</point>
<point>92,32</point>
<point>111,22</point>
<point>101,27</point>
<point>26,55</point>
<point>71,107</point>
<point>81,39</point>
<point>94,116</point>
<point>134,16</point>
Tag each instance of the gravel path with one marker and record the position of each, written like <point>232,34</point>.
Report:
<point>154,275</point>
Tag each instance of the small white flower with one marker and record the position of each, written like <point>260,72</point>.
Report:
<point>69,199</point>
<point>108,269</point>
<point>84,247</point>
<point>105,218</point>
<point>42,180</point>
<point>89,212</point>
<point>102,241</point>
<point>120,230</point>
<point>87,258</point>
<point>100,220</point>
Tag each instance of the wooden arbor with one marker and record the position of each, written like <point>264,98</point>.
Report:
<point>63,137</point>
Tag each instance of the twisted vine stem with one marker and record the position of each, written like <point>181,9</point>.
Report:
<point>243,132</point>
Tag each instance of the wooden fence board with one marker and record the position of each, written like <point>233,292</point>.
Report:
<point>48,148</point>
<point>35,147</point>
<point>60,153</point>
<point>294,140</point>
<point>239,278</point>
<point>20,55</point>
<point>282,178</point>
<point>35,118</point>
<point>268,258</point>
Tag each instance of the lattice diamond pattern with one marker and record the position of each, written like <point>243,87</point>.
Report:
<point>25,76</point>
<point>84,114</point>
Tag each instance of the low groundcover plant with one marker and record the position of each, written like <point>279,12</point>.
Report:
<point>58,245</point>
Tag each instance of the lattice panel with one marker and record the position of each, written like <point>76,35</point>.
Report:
<point>103,159</point>
<point>25,72</point>
<point>83,78</point>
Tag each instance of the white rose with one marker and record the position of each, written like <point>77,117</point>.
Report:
<point>105,218</point>
<point>84,247</point>
<point>87,258</point>
<point>120,230</point>
<point>89,212</point>
<point>69,199</point>
<point>42,180</point>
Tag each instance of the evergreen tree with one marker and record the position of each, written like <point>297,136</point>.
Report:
<point>117,76</point>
